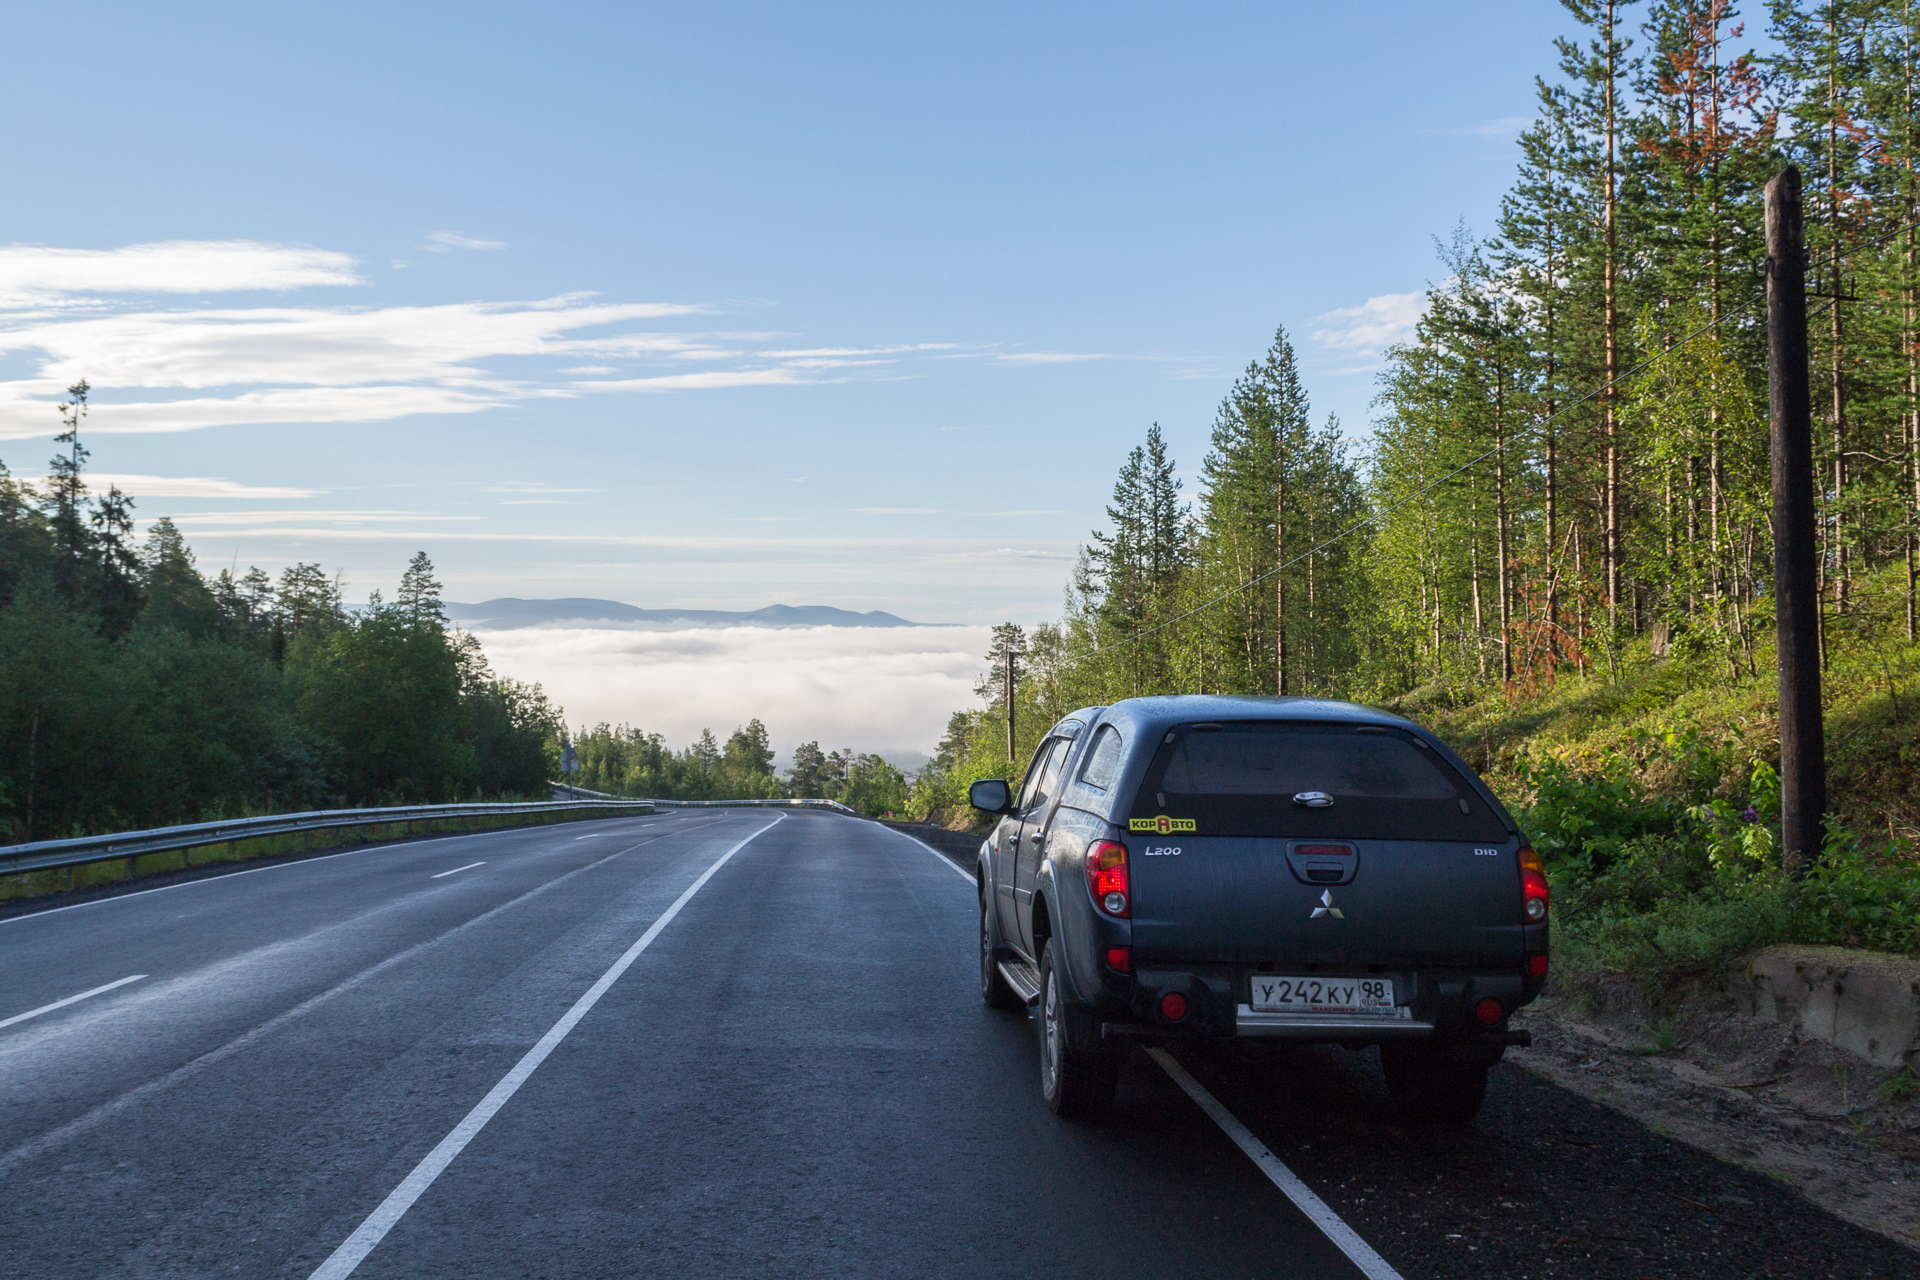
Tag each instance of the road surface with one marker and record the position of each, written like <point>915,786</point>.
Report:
<point>731,1043</point>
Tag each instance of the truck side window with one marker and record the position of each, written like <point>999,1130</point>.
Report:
<point>1030,789</point>
<point>1050,778</point>
<point>1103,760</point>
<point>1044,777</point>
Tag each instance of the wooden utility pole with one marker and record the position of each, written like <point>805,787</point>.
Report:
<point>1012,653</point>
<point>1796,603</point>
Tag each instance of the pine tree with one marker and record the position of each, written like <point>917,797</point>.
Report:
<point>1259,438</point>
<point>65,496</point>
<point>419,596</point>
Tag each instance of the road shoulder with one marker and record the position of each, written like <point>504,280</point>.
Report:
<point>1757,1096</point>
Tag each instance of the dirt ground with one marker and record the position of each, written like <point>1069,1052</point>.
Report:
<point>1844,1133</point>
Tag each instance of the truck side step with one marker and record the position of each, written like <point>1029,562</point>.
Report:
<point>1021,977</point>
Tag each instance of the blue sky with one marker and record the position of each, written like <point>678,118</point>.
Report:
<point>713,304</point>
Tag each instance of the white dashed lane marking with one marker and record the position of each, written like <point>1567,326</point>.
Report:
<point>470,866</point>
<point>61,1004</point>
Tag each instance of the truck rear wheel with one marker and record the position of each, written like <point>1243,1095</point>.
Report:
<point>993,988</point>
<point>1429,1087</point>
<point>1076,1084</point>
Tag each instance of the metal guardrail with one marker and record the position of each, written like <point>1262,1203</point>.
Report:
<point>755,804</point>
<point>44,854</point>
<point>562,788</point>
<point>567,791</point>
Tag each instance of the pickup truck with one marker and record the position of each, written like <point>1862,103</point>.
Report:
<point>1245,869</point>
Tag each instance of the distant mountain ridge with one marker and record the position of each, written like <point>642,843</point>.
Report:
<point>508,613</point>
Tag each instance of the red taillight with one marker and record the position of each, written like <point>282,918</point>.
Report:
<point>1536,966</point>
<point>1489,1012</point>
<point>1173,1006</point>
<point>1119,959</point>
<point>1107,877</point>
<point>1324,850</point>
<point>1533,886</point>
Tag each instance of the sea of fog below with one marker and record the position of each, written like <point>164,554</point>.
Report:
<point>889,690</point>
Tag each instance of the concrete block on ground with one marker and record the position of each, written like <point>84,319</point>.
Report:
<point>1864,1002</point>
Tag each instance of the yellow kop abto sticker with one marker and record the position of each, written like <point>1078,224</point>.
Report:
<point>1162,824</point>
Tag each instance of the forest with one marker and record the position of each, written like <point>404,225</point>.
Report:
<point>630,762</point>
<point>135,691</point>
<point>1553,544</point>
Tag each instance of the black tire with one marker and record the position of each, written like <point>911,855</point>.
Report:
<point>1075,1084</point>
<point>1428,1087</point>
<point>993,988</point>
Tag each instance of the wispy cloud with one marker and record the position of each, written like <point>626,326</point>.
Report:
<point>528,486</point>
<point>36,274</point>
<point>894,511</point>
<point>1371,327</point>
<point>196,518</point>
<point>1504,127</point>
<point>699,381</point>
<point>82,313</point>
<point>1052,357</point>
<point>448,241</point>
<point>1006,553</point>
<point>188,487</point>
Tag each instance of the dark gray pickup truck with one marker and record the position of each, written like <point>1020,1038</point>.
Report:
<point>1252,869</point>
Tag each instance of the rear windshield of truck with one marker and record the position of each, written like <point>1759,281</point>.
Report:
<point>1276,779</point>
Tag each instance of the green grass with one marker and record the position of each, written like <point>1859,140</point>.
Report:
<point>1650,788</point>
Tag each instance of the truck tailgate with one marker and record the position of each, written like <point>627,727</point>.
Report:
<point>1237,898</point>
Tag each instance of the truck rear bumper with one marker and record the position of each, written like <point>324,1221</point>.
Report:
<point>1328,1026</point>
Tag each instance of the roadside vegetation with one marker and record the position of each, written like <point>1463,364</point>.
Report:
<point>137,692</point>
<point>1554,544</point>
<point>628,761</point>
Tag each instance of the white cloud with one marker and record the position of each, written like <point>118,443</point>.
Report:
<point>885,689</point>
<point>700,381</point>
<point>1374,325</point>
<point>34,274</point>
<point>1504,127</point>
<point>448,241</point>
<point>188,487</point>
<point>528,486</point>
<point>1051,357</point>
<point>197,519</point>
<point>894,511</point>
<point>175,368</point>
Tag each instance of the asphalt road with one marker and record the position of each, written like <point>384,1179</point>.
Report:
<point>456,1058</point>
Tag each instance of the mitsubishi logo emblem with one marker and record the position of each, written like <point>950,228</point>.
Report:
<point>1326,907</point>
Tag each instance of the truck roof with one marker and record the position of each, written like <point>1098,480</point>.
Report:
<point>1187,707</point>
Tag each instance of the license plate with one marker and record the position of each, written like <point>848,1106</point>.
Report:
<point>1275,994</point>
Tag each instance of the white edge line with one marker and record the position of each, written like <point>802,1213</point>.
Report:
<point>358,1245</point>
<point>280,866</point>
<point>470,866</point>
<point>1344,1237</point>
<point>61,1004</point>
<point>945,861</point>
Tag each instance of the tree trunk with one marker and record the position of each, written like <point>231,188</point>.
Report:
<point>1609,403</point>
